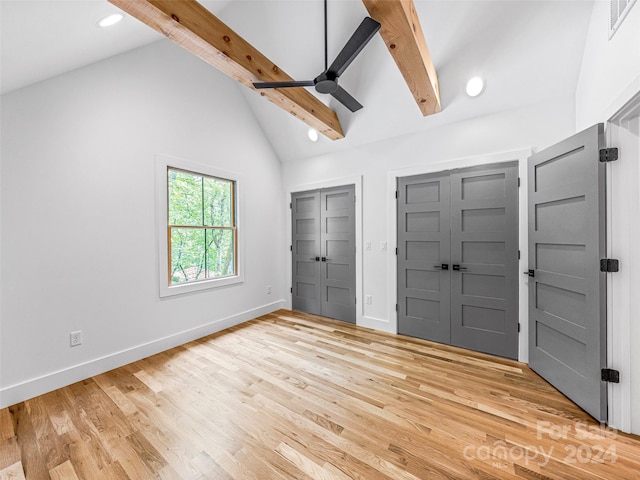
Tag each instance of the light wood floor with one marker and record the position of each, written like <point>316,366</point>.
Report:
<point>293,396</point>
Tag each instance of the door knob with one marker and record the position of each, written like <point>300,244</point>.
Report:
<point>444,266</point>
<point>458,267</point>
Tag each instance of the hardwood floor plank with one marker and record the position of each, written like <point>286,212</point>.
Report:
<point>12,472</point>
<point>6,424</point>
<point>9,452</point>
<point>208,468</point>
<point>304,463</point>
<point>33,460</point>
<point>64,471</point>
<point>292,396</point>
<point>114,471</point>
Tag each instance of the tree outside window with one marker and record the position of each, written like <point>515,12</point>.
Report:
<point>201,228</point>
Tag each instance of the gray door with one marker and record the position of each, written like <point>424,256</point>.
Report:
<point>338,259</point>
<point>323,252</point>
<point>484,258</point>
<point>567,318</point>
<point>423,257</point>
<point>305,248</point>
<point>458,258</point>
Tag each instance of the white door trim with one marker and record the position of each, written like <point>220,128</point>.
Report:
<point>623,232</point>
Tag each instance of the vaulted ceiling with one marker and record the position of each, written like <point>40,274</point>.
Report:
<point>527,51</point>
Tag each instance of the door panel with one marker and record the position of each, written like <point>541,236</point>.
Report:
<point>567,323</point>
<point>305,218</point>
<point>423,246</point>
<point>338,269</point>
<point>484,243</point>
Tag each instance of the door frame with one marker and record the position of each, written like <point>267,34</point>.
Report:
<point>623,206</point>
<point>337,182</point>
<point>521,157</point>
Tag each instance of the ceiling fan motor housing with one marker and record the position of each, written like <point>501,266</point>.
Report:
<point>326,83</point>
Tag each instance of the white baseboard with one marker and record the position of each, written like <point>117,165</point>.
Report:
<point>377,324</point>
<point>19,392</point>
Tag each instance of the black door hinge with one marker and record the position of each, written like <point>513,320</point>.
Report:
<point>291,248</point>
<point>609,265</point>
<point>396,307</point>
<point>518,328</point>
<point>396,250</point>
<point>291,289</point>
<point>518,181</point>
<point>291,206</point>
<point>610,375</point>
<point>608,154</point>
<point>396,194</point>
<point>518,254</point>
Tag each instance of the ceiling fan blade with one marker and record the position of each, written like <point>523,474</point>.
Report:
<point>302,83</point>
<point>354,46</point>
<point>346,99</point>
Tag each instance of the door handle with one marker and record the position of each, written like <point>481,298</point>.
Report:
<point>325,259</point>
<point>444,266</point>
<point>531,273</point>
<point>458,267</point>
<point>317,259</point>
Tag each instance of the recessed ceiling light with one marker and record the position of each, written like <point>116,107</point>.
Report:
<point>110,20</point>
<point>313,134</point>
<point>475,86</point>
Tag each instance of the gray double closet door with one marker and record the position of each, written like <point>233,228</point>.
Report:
<point>458,258</point>
<point>323,252</point>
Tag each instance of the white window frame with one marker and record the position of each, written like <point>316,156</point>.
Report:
<point>163,163</point>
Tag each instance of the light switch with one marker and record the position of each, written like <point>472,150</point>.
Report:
<point>367,245</point>
<point>383,246</point>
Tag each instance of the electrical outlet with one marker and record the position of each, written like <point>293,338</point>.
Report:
<point>75,338</point>
<point>268,289</point>
<point>367,299</point>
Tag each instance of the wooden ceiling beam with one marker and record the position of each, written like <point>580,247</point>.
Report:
<point>201,33</point>
<point>402,33</point>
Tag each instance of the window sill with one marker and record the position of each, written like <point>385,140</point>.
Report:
<point>198,286</point>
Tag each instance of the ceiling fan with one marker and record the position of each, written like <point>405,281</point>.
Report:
<point>327,81</point>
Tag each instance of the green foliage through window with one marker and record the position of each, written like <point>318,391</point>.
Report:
<point>201,227</point>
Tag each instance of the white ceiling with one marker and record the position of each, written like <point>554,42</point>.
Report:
<point>44,38</point>
<point>528,52</point>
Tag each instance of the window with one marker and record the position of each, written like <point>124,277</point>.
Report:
<point>201,231</point>
<point>198,207</point>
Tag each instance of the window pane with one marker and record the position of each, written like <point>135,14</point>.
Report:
<point>218,202</point>
<point>185,198</point>
<point>187,254</point>
<point>220,252</point>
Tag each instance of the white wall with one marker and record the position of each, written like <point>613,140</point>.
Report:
<point>609,79</point>
<point>79,247</point>
<point>475,141</point>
